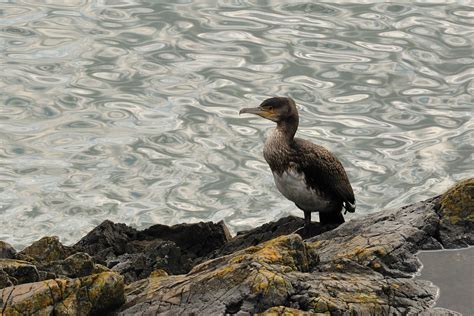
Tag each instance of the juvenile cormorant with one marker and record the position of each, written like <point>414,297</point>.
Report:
<point>307,174</point>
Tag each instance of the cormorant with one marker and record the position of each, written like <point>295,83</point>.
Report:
<point>305,173</point>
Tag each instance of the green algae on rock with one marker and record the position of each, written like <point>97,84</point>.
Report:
<point>82,296</point>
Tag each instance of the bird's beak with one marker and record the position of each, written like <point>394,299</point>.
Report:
<point>257,111</point>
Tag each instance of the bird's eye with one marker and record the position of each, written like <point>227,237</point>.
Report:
<point>270,108</point>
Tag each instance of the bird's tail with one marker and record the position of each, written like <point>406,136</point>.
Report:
<point>350,207</point>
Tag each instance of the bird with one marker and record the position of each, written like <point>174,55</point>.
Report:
<point>305,173</point>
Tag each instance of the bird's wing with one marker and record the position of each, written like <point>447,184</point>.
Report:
<point>324,170</point>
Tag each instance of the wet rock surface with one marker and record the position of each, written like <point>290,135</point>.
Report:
<point>364,266</point>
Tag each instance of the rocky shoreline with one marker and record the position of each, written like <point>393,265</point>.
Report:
<point>363,267</point>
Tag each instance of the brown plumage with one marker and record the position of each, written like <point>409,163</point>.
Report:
<point>305,173</point>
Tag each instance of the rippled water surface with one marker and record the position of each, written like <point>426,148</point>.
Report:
<point>128,110</point>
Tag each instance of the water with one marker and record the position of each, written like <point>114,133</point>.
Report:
<point>452,272</point>
<point>128,110</point>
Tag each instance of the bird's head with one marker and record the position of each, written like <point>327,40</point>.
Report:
<point>276,109</point>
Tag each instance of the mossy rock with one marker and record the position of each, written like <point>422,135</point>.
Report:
<point>45,250</point>
<point>83,296</point>
<point>457,204</point>
<point>456,211</point>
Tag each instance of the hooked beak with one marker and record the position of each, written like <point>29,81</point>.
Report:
<point>257,111</point>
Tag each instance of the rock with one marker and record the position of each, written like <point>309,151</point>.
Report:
<point>77,265</point>
<point>197,239</point>
<point>385,241</point>
<point>98,268</point>
<point>456,209</point>
<point>93,294</point>
<point>253,237</point>
<point>5,280</point>
<point>45,250</point>
<point>363,267</point>
<point>135,254</point>
<point>283,226</point>
<point>439,311</point>
<point>286,311</point>
<point>6,251</point>
<point>279,272</point>
<point>106,240</point>
<point>17,271</point>
<point>259,272</point>
<point>143,257</point>
<point>162,254</point>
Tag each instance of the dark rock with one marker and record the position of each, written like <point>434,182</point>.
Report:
<point>196,239</point>
<point>456,209</point>
<point>106,240</point>
<point>17,271</point>
<point>6,251</point>
<point>45,250</point>
<point>136,254</point>
<point>91,295</point>
<point>145,256</point>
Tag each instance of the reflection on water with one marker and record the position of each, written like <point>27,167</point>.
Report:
<point>128,110</point>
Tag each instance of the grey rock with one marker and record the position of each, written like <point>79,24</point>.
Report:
<point>385,241</point>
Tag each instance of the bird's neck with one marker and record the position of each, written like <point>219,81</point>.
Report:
<point>287,129</point>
